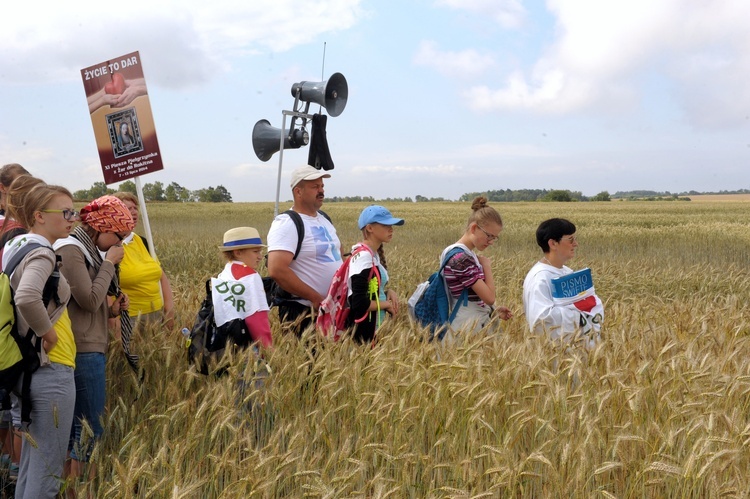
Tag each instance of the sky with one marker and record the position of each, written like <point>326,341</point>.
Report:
<point>446,97</point>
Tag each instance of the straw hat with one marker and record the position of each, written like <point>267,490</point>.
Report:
<point>240,238</point>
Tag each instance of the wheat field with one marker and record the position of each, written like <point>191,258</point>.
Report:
<point>660,409</point>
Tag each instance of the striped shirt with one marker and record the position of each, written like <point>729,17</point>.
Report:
<point>462,272</point>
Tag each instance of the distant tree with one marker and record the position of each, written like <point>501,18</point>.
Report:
<point>154,192</point>
<point>602,196</point>
<point>557,195</point>
<point>213,195</point>
<point>128,186</point>
<point>96,190</point>
<point>186,195</point>
<point>171,194</point>
<point>420,198</point>
<point>223,195</point>
<point>176,192</point>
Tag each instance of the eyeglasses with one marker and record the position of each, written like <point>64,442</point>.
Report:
<point>68,215</point>
<point>490,237</point>
<point>570,239</point>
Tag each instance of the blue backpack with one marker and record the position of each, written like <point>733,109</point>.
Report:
<point>430,304</point>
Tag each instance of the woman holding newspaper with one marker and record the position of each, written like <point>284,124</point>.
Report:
<point>556,300</point>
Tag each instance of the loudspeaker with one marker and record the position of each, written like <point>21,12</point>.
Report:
<point>266,139</point>
<point>331,94</point>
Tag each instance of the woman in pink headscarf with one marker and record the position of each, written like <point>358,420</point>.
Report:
<point>104,223</point>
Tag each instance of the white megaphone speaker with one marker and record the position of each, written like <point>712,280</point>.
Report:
<point>267,139</point>
<point>331,94</point>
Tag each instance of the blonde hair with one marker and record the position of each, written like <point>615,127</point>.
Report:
<point>483,213</point>
<point>11,171</point>
<point>16,199</point>
<point>127,196</point>
<point>23,207</point>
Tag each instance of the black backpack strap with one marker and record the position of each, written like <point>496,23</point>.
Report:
<point>325,215</point>
<point>297,219</point>
<point>300,230</point>
<point>50,287</point>
<point>28,370</point>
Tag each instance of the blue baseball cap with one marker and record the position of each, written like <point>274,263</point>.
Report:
<point>376,214</point>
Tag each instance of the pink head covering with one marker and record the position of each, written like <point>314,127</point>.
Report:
<point>107,214</point>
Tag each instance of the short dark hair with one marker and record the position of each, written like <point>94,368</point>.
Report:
<point>554,228</point>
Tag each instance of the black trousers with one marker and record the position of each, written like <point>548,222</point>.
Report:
<point>295,317</point>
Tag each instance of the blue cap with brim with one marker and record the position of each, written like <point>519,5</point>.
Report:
<point>376,214</point>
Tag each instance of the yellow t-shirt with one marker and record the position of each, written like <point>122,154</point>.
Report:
<point>139,278</point>
<point>65,350</point>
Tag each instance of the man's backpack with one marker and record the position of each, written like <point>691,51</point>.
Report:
<point>430,306</point>
<point>334,310</point>
<point>21,355</point>
<point>208,342</point>
<point>274,293</point>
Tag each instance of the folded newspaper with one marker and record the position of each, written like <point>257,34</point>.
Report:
<point>576,292</point>
<point>572,285</point>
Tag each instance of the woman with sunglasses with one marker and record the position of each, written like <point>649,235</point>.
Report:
<point>104,223</point>
<point>559,319</point>
<point>467,271</point>
<point>41,297</point>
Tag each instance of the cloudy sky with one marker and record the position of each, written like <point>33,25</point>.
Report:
<point>445,96</point>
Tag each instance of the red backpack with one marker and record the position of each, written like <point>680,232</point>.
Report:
<point>334,309</point>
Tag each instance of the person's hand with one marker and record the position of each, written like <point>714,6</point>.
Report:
<point>393,299</point>
<point>484,262</point>
<point>504,313</point>
<point>121,303</point>
<point>124,302</point>
<point>169,318</point>
<point>316,302</point>
<point>49,340</point>
<point>130,93</point>
<point>100,99</point>
<point>115,254</point>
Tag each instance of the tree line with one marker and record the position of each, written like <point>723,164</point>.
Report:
<point>173,193</point>
<point>552,195</point>
<point>176,193</point>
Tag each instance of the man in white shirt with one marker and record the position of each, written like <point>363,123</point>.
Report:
<point>305,276</point>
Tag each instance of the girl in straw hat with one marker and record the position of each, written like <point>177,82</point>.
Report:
<point>238,290</point>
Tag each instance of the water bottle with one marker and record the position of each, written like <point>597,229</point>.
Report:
<point>186,335</point>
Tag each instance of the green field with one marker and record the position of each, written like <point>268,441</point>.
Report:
<point>660,409</point>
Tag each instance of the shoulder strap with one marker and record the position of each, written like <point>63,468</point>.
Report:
<point>300,225</point>
<point>19,256</point>
<point>300,230</point>
<point>450,255</point>
<point>463,298</point>
<point>50,287</point>
<point>325,215</point>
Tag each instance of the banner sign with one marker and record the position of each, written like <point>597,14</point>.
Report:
<point>121,116</point>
